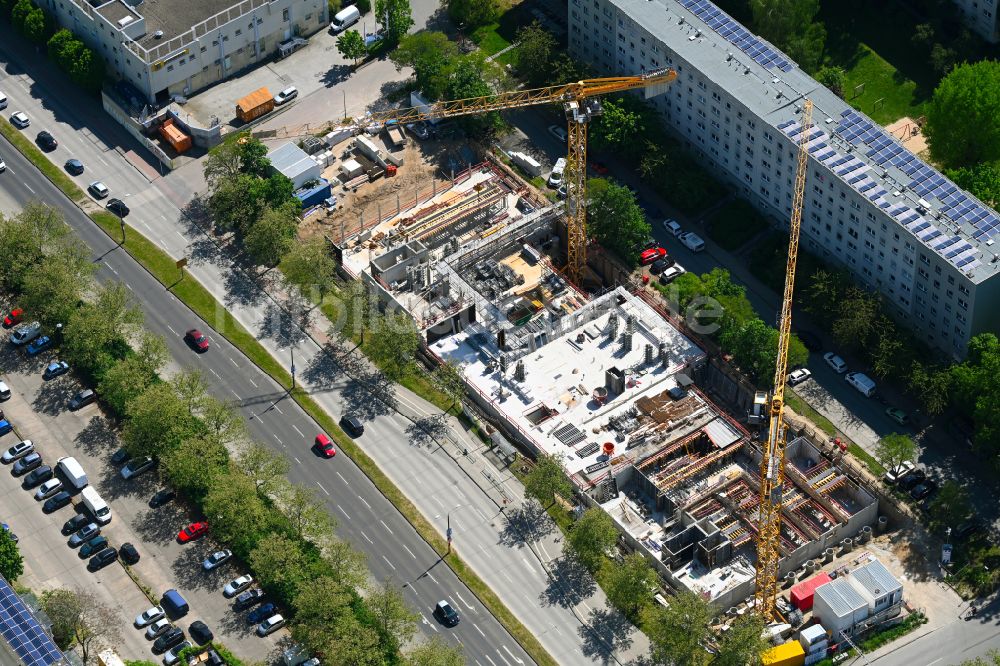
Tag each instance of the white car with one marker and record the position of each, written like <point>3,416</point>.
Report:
<point>157,628</point>
<point>3,165</point>
<point>286,95</point>
<point>838,364</point>
<point>798,376</point>
<point>671,273</point>
<point>216,559</point>
<point>98,189</point>
<point>558,132</point>
<point>19,450</point>
<point>673,227</point>
<point>47,489</point>
<point>173,654</point>
<point>20,120</point>
<point>270,625</point>
<point>149,616</point>
<point>896,472</point>
<point>691,241</point>
<point>234,587</point>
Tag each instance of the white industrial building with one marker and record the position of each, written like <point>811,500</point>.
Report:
<point>848,605</point>
<point>295,164</point>
<point>170,47</point>
<point>871,205</point>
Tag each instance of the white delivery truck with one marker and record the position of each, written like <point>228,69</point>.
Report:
<point>72,472</point>
<point>97,507</point>
<point>345,18</point>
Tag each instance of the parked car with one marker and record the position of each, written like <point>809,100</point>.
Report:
<point>261,613</point>
<point>102,559</point>
<point>673,227</point>
<point>897,415</point>
<point>197,340</point>
<point>247,599</point>
<point>237,585</point>
<point>158,628</point>
<point>94,546</point>
<point>672,273</point>
<point>74,166</point>
<point>419,130</point>
<point>57,502</point>
<point>649,256</point>
<point>173,655</point>
<point>216,559</point>
<point>660,265</point>
<point>558,133</point>
<point>270,625</point>
<point>118,207</point>
<point>148,616</point>
<point>168,640</point>
<point>13,317</point>
<point>19,450</point>
<point>5,425</point>
<point>691,241</point>
<point>4,392</point>
<point>98,189</point>
<point>192,532</point>
<point>161,497</point>
<point>923,489</point>
<point>324,446</point>
<point>838,364</point>
<point>352,425</point>
<point>200,632</point>
<point>38,345</point>
<point>894,474</point>
<point>84,534</point>
<point>912,478</point>
<point>136,467</point>
<point>48,489</point>
<point>20,120</point>
<point>447,615</point>
<point>798,376</point>
<point>36,476</point>
<point>27,463</point>
<point>46,141</point>
<point>129,553</point>
<point>82,399</point>
<point>75,523</point>
<point>54,369</point>
<point>6,528</point>
<point>25,333</point>
<point>286,95</point>
<point>120,456</point>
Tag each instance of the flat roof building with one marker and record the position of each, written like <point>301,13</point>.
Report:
<point>871,206</point>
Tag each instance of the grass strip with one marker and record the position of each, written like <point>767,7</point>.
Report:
<point>41,162</point>
<point>164,269</point>
<point>803,409</point>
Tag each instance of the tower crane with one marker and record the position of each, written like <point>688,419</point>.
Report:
<point>772,462</point>
<point>580,103</point>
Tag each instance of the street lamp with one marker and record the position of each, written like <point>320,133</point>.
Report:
<point>448,532</point>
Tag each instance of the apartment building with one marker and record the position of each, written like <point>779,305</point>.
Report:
<point>981,17</point>
<point>176,47</point>
<point>871,205</point>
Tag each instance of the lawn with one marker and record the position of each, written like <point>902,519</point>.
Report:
<point>489,39</point>
<point>734,224</point>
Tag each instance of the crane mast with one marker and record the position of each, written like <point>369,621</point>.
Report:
<point>772,463</point>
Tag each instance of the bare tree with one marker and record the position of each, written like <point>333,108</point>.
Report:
<point>79,618</point>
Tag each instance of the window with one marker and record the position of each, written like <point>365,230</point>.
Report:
<point>285,15</point>
<point>240,32</point>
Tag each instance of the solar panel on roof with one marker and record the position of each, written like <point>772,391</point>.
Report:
<point>734,33</point>
<point>23,633</point>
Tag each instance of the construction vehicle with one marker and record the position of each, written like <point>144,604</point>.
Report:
<point>580,104</point>
<point>772,462</point>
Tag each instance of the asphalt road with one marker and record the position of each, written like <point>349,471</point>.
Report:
<point>366,519</point>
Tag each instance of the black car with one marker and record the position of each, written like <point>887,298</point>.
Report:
<point>446,614</point>
<point>924,489</point>
<point>102,559</point>
<point>46,141</point>
<point>352,425</point>
<point>82,399</point>
<point>911,478</point>
<point>168,640</point>
<point>27,463</point>
<point>810,340</point>
<point>161,497</point>
<point>249,598</point>
<point>75,523</point>
<point>57,502</point>
<point>118,207</point>
<point>37,477</point>
<point>661,265</point>
<point>200,632</point>
<point>119,456</point>
<point>74,166</point>
<point>129,554</point>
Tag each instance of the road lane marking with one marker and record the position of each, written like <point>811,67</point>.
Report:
<point>429,624</point>
<point>172,329</point>
<point>464,601</point>
<point>366,503</point>
<point>389,563</point>
<point>296,428</point>
<point>276,437</point>
<point>487,658</point>
<point>343,479</point>
<point>479,630</point>
<point>409,551</point>
<point>299,462</point>
<point>182,237</point>
<point>29,187</point>
<point>440,504</point>
<point>503,657</point>
<point>385,526</point>
<point>234,362</point>
<point>343,512</point>
<point>507,650</point>
<point>252,382</point>
<point>236,394</point>
<point>212,370</point>
<point>507,576</point>
<point>527,565</point>
<point>322,488</point>
<point>366,537</point>
<point>275,405</point>
<point>130,287</point>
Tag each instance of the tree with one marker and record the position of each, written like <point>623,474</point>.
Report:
<point>96,333</point>
<point>26,239</point>
<point>132,375</point>
<point>239,154</point>
<point>743,643</point>
<point>436,652</point>
<point>982,179</point>
<point>79,617</point>
<point>856,314</point>
<point>833,78</point>
<point>157,421</point>
<point>448,378</point>
<point>942,59</point>
<point>616,221</point>
<point>308,516</point>
<point>271,236</point>
<point>281,565</point>
<point>391,614</point>
<point>322,615</point>
<point>893,449</point>
<point>431,55</point>
<point>19,14</point>
<point>923,37</point>
<point>310,266</point>
<point>237,203</point>
<point>591,536</point>
<point>970,92</point>
<point>789,25</point>
<point>194,465</point>
<point>677,633</point>
<point>976,393</point>
<point>950,506</point>
<point>468,79</point>
<point>237,514</point>
<point>393,344</point>
<point>58,44</point>
<point>352,45</point>
<point>533,57</point>
<point>623,121</point>
<point>395,17</point>
<point>221,422</point>
<point>547,479</point>
<point>471,14</point>
<point>35,26</point>
<point>630,584</point>
<point>932,385</point>
<point>11,562</point>
<point>52,289</point>
<point>264,468</point>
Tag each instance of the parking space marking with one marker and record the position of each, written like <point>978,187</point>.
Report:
<point>389,563</point>
<point>130,287</point>
<point>366,502</point>
<point>343,479</point>
<point>296,428</point>
<point>385,526</point>
<point>366,537</point>
<point>343,512</point>
<point>321,487</point>
<point>409,551</point>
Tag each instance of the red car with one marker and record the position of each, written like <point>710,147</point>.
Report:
<point>325,446</point>
<point>192,532</point>
<point>14,317</point>
<point>600,168</point>
<point>652,254</point>
<point>196,339</point>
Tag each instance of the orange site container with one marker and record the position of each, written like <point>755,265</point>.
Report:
<point>255,105</point>
<point>173,135</point>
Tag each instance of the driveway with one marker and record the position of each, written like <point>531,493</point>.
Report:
<point>38,410</point>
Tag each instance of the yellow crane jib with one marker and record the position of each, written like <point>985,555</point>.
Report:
<point>772,463</point>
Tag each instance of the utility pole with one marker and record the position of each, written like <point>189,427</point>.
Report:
<point>292,351</point>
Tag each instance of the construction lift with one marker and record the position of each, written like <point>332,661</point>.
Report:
<point>772,462</point>
<point>580,104</point>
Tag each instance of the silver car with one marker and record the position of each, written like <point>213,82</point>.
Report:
<point>157,628</point>
<point>48,489</point>
<point>19,450</point>
<point>85,533</point>
<point>149,615</point>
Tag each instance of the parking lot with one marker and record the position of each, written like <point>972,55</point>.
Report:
<point>38,410</point>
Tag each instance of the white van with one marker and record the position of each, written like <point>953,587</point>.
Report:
<point>72,472</point>
<point>862,382</point>
<point>692,241</point>
<point>555,178</point>
<point>344,19</point>
<point>97,507</point>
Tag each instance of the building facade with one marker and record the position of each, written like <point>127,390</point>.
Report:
<point>171,47</point>
<point>871,206</point>
<point>981,17</point>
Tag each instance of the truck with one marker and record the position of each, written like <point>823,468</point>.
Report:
<point>395,132</point>
<point>255,105</point>
<point>72,472</point>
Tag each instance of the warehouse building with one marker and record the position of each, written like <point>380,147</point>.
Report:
<point>166,48</point>
<point>871,206</point>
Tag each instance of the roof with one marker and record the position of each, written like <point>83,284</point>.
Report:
<point>291,160</point>
<point>876,579</point>
<point>780,653</point>
<point>841,597</point>
<point>955,225</point>
<point>254,99</point>
<point>721,433</point>
<point>807,587</point>
<point>22,632</point>
<point>812,633</point>
<point>175,18</point>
